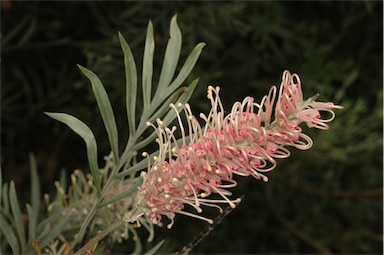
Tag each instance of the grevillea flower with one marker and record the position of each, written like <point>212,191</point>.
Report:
<point>244,142</point>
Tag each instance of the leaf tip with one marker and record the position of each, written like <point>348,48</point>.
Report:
<point>174,18</point>
<point>49,114</point>
<point>82,68</point>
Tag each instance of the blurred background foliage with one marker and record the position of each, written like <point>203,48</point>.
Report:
<point>325,200</point>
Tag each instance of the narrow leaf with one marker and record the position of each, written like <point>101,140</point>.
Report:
<point>164,108</point>
<point>9,235</point>
<point>155,248</point>
<point>35,184</point>
<point>32,215</point>
<point>105,108</point>
<point>171,115</point>
<point>148,66</point>
<point>33,209</point>
<point>17,216</point>
<point>85,132</point>
<point>184,98</point>
<point>130,84</point>
<point>56,230</point>
<point>187,68</point>
<point>51,218</point>
<point>172,54</point>
<point>44,232</point>
<point>5,198</point>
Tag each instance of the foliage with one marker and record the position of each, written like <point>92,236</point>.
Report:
<point>332,205</point>
<point>103,199</point>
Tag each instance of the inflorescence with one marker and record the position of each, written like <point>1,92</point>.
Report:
<point>244,142</point>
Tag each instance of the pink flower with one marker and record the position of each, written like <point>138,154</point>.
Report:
<point>244,142</point>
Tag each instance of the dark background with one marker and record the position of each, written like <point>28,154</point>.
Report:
<point>325,200</point>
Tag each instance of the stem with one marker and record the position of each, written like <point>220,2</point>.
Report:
<point>125,157</point>
<point>87,220</point>
<point>100,235</point>
<point>97,203</point>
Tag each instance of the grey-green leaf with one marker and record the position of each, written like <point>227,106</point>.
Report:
<point>184,98</point>
<point>148,66</point>
<point>56,230</point>
<point>105,108</point>
<point>9,235</point>
<point>32,215</point>
<point>130,84</point>
<point>17,216</point>
<point>5,199</point>
<point>45,229</point>
<point>171,115</point>
<point>172,54</point>
<point>164,108</point>
<point>85,132</point>
<point>187,67</point>
<point>35,183</point>
<point>35,196</point>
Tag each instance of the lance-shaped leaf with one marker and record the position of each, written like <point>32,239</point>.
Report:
<point>184,98</point>
<point>188,65</point>
<point>171,115</point>
<point>5,199</point>
<point>183,74</point>
<point>105,108</point>
<point>86,133</point>
<point>34,208</point>
<point>17,216</point>
<point>172,54</point>
<point>35,184</point>
<point>9,235</point>
<point>56,230</point>
<point>148,66</point>
<point>130,84</point>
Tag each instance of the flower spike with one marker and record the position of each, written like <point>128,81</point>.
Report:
<point>245,142</point>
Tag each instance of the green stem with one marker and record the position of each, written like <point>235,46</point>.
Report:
<point>97,203</point>
<point>99,236</point>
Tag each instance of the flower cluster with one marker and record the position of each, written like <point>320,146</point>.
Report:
<point>244,142</point>
<point>81,195</point>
